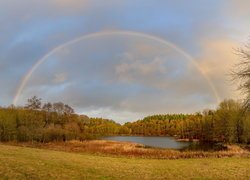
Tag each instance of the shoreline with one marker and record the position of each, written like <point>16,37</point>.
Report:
<point>127,149</point>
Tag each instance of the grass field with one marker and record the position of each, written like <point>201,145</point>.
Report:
<point>31,163</point>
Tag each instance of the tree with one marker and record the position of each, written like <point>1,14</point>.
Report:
<point>47,107</point>
<point>229,122</point>
<point>34,103</point>
<point>58,108</point>
<point>68,109</point>
<point>241,72</point>
<point>12,106</point>
<point>61,108</point>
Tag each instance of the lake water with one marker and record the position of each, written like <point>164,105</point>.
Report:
<point>168,142</point>
<point>160,142</point>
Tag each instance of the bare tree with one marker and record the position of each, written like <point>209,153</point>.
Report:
<point>47,107</point>
<point>61,108</point>
<point>241,72</point>
<point>12,106</point>
<point>68,109</point>
<point>58,107</point>
<point>34,103</point>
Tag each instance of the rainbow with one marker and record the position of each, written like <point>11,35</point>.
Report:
<point>187,56</point>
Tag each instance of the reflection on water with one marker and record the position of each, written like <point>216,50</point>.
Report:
<point>160,142</point>
<point>208,146</point>
<point>167,142</point>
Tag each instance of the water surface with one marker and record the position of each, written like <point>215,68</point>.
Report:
<point>160,142</point>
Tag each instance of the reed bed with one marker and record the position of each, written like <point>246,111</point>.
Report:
<point>103,147</point>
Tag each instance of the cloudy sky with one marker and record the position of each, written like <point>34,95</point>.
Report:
<point>121,59</point>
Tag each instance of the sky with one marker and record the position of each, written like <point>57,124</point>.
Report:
<point>121,59</point>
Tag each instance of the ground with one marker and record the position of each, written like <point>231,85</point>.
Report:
<point>31,163</point>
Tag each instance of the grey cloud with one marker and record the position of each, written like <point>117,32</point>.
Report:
<point>120,78</point>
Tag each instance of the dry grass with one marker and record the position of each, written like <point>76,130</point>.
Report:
<point>134,150</point>
<point>31,163</point>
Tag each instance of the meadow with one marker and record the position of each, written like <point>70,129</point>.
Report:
<point>32,163</point>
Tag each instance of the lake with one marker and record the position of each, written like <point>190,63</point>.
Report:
<point>168,142</point>
<point>160,142</point>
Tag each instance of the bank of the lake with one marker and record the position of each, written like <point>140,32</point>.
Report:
<point>127,149</point>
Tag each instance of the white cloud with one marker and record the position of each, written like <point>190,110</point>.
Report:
<point>110,113</point>
<point>131,68</point>
<point>60,78</point>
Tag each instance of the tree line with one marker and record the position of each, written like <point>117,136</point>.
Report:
<point>51,122</point>
<point>229,123</point>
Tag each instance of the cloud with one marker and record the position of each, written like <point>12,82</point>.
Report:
<point>121,75</point>
<point>60,78</point>
<point>70,3</point>
<point>126,71</point>
<point>109,113</point>
<point>217,61</point>
<point>239,8</point>
<point>121,78</point>
<point>79,7</point>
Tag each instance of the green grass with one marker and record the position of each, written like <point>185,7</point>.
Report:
<point>30,163</point>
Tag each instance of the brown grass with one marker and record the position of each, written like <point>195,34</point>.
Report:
<point>133,149</point>
<point>32,163</point>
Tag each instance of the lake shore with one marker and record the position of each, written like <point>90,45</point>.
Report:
<point>127,149</point>
<point>187,140</point>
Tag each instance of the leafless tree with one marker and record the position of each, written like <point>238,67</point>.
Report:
<point>34,103</point>
<point>241,72</point>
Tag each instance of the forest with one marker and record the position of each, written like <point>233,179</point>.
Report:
<point>229,123</point>
<point>50,122</point>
